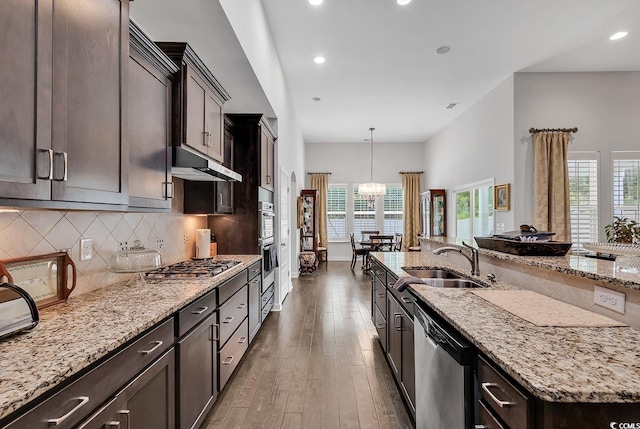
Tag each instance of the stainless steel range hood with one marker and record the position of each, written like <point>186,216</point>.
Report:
<point>190,165</point>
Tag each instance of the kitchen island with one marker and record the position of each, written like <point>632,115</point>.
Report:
<point>594,368</point>
<point>73,336</point>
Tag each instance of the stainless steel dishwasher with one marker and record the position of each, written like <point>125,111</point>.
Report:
<point>444,375</point>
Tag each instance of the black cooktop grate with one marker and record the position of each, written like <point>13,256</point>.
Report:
<point>193,268</point>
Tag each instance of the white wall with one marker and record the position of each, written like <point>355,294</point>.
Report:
<point>350,163</point>
<point>477,145</point>
<point>605,106</point>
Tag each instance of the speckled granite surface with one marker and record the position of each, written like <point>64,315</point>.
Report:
<point>563,364</point>
<point>75,334</point>
<point>595,269</point>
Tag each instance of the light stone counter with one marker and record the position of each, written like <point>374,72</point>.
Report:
<point>75,334</point>
<point>556,364</point>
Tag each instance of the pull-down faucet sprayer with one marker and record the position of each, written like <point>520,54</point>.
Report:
<point>472,258</point>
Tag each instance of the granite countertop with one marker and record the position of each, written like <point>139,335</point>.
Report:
<point>556,364</point>
<point>576,265</point>
<point>75,334</point>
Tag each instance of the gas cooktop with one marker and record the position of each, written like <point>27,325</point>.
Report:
<point>193,268</point>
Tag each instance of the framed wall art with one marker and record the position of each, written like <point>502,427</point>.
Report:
<point>502,197</point>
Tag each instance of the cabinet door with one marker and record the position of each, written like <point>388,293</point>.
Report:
<point>90,50</point>
<point>266,160</point>
<point>25,112</point>
<point>148,127</point>
<point>255,307</point>
<point>149,400</point>
<point>394,336</point>
<point>194,117</point>
<point>271,146</point>
<point>408,358</point>
<point>213,127</point>
<point>197,368</point>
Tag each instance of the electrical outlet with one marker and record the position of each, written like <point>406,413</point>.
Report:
<point>123,245</point>
<point>186,239</point>
<point>159,243</point>
<point>86,249</point>
<point>608,298</point>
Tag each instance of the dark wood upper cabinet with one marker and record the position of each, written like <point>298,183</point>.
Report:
<point>149,123</point>
<point>25,112</point>
<point>268,145</point>
<point>90,55</point>
<point>62,132</point>
<point>198,100</point>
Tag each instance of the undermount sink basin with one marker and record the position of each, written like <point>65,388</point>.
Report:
<point>452,283</point>
<point>431,274</point>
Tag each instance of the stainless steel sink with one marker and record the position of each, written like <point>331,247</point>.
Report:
<point>431,274</point>
<point>459,283</point>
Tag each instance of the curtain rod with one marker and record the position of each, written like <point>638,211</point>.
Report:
<point>309,173</point>
<point>411,172</point>
<point>547,130</point>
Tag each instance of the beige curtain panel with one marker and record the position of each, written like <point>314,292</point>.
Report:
<point>320,181</point>
<point>411,208</point>
<point>551,184</point>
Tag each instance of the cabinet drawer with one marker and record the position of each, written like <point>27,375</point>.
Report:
<point>267,308</point>
<point>231,286</point>
<point>379,272</point>
<point>73,403</point>
<point>504,399</point>
<point>381,327</point>
<point>380,297</point>
<point>196,312</point>
<point>266,296</point>
<point>254,270</point>
<point>232,352</point>
<point>232,314</point>
<point>405,298</point>
<point>487,420</point>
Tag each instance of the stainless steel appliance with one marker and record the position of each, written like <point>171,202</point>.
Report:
<point>193,268</point>
<point>266,241</point>
<point>444,374</point>
<point>18,311</point>
<point>267,221</point>
<point>193,166</point>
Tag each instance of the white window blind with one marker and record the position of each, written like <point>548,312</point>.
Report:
<point>393,210</point>
<point>583,196</point>
<point>337,211</point>
<point>364,215</point>
<point>626,185</point>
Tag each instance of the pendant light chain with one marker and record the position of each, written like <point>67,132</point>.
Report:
<point>371,129</point>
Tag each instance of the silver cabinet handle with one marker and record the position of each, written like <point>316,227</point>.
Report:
<point>219,199</point>
<point>83,400</point>
<point>481,427</point>
<point>379,295</point>
<point>205,138</point>
<point>152,349</point>
<point>125,413</point>
<point>65,166</point>
<point>380,325</point>
<point>501,404</point>
<point>406,300</point>
<point>217,336</point>
<point>200,310</point>
<point>49,176</point>
<point>241,306</point>
<point>228,319</point>
<point>228,360</point>
<point>255,270</point>
<point>396,317</point>
<point>112,425</point>
<point>242,340</point>
<point>256,281</point>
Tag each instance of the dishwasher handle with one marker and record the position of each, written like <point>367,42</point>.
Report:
<point>436,335</point>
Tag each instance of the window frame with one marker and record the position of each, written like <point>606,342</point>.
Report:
<point>471,188</point>
<point>331,239</point>
<point>617,156</point>
<point>588,156</point>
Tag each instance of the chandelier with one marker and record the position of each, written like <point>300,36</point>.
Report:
<point>371,191</point>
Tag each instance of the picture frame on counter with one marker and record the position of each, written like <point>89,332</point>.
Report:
<point>502,197</point>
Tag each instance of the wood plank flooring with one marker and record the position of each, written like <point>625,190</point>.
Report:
<point>315,364</point>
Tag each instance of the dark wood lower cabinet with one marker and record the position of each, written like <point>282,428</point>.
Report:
<point>197,372</point>
<point>255,307</point>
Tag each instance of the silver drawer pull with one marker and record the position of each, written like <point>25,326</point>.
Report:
<point>200,310</point>
<point>228,360</point>
<point>49,175</point>
<point>125,413</point>
<point>228,319</point>
<point>83,401</point>
<point>501,404</point>
<point>241,306</point>
<point>380,295</point>
<point>380,325</point>
<point>242,340</point>
<point>481,427</point>
<point>406,300</point>
<point>152,349</point>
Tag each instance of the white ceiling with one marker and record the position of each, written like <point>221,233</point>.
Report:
<point>381,69</point>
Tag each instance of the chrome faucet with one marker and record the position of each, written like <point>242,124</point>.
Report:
<point>472,258</point>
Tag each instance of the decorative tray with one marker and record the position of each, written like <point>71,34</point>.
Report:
<point>524,248</point>
<point>613,248</point>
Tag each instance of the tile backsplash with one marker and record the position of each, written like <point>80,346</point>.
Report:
<point>38,232</point>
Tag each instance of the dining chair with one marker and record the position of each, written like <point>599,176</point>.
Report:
<point>357,252</point>
<point>398,245</point>
<point>382,243</point>
<point>366,235</point>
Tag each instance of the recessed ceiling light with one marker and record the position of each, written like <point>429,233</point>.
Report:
<point>319,60</point>
<point>451,105</point>
<point>315,2</point>
<point>403,2</point>
<point>443,50</point>
<point>618,35</point>
<point>317,99</point>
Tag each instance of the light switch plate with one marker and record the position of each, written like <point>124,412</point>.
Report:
<point>608,298</point>
<point>86,249</point>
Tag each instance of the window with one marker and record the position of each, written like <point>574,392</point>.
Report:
<point>364,214</point>
<point>393,210</point>
<point>337,212</point>
<point>479,220</point>
<point>626,185</point>
<point>583,196</point>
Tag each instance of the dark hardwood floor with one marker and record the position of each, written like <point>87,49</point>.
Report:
<point>315,364</point>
